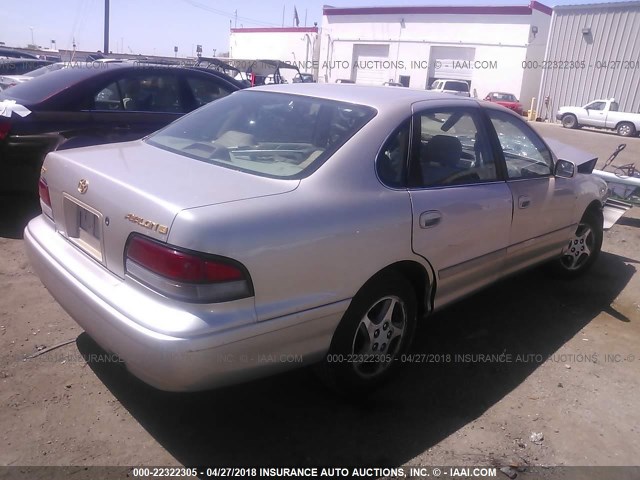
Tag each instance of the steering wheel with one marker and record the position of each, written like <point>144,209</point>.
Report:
<point>464,173</point>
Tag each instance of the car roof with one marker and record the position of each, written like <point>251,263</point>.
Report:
<point>377,97</point>
<point>51,84</point>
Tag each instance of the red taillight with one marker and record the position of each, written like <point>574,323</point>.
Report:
<point>185,275</point>
<point>43,191</point>
<point>5,126</point>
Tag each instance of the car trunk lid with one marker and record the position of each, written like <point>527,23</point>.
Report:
<point>100,195</point>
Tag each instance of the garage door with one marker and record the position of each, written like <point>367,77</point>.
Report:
<point>367,63</point>
<point>451,62</point>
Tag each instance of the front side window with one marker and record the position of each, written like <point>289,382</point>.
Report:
<point>271,134</point>
<point>596,106</point>
<point>525,154</point>
<point>451,150</point>
<point>205,91</point>
<point>108,98</point>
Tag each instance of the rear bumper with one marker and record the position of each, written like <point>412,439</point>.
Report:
<point>168,362</point>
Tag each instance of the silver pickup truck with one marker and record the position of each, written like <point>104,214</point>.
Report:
<point>600,114</point>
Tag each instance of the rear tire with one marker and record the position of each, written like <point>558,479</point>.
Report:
<point>583,249</point>
<point>375,331</point>
<point>626,129</point>
<point>569,121</point>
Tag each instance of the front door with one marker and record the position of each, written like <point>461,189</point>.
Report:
<point>543,204</point>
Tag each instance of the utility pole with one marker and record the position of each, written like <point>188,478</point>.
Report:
<point>106,27</point>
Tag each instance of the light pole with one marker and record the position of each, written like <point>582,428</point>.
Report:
<point>32,42</point>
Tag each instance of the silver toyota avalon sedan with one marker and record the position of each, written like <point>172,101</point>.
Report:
<point>296,224</point>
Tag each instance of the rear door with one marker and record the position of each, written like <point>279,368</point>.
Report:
<point>461,205</point>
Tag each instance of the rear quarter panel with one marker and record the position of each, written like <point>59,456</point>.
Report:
<point>319,243</point>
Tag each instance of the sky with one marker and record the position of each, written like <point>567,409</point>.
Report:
<point>154,27</point>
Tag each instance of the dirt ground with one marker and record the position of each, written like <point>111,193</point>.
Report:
<point>570,371</point>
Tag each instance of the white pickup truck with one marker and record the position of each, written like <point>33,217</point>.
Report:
<point>600,114</point>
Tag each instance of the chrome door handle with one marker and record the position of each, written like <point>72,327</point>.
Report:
<point>430,218</point>
<point>524,201</point>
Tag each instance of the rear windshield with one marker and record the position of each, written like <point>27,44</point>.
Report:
<point>457,86</point>
<point>272,134</point>
<point>39,89</point>
<point>504,97</point>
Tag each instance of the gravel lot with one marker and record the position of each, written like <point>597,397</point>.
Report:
<point>573,375</point>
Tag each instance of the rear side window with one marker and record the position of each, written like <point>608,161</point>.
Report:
<point>392,160</point>
<point>151,93</point>
<point>451,149</point>
<point>265,133</point>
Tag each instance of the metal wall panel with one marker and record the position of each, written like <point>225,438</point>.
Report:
<point>611,55</point>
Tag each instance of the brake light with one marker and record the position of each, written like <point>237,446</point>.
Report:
<point>43,191</point>
<point>185,275</point>
<point>5,126</point>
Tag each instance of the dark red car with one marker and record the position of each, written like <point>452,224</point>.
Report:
<point>508,100</point>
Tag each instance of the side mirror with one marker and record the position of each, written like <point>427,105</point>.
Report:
<point>487,98</point>
<point>565,169</point>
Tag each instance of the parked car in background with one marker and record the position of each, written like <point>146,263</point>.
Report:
<point>455,87</point>
<point>11,53</point>
<point>191,254</point>
<point>600,114</point>
<point>15,67</point>
<point>344,80</point>
<point>7,81</point>
<point>303,78</point>
<point>393,84</point>
<point>508,100</point>
<point>92,104</point>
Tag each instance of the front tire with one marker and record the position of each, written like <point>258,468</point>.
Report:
<point>376,330</point>
<point>583,248</point>
<point>626,129</point>
<point>569,121</point>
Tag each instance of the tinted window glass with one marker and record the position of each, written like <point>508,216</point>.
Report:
<point>151,93</point>
<point>452,150</point>
<point>392,160</point>
<point>266,133</point>
<point>596,106</point>
<point>524,152</point>
<point>205,91</point>
<point>108,98</point>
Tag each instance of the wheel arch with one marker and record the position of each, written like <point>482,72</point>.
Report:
<point>595,207</point>
<point>629,122</point>
<point>421,278</point>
